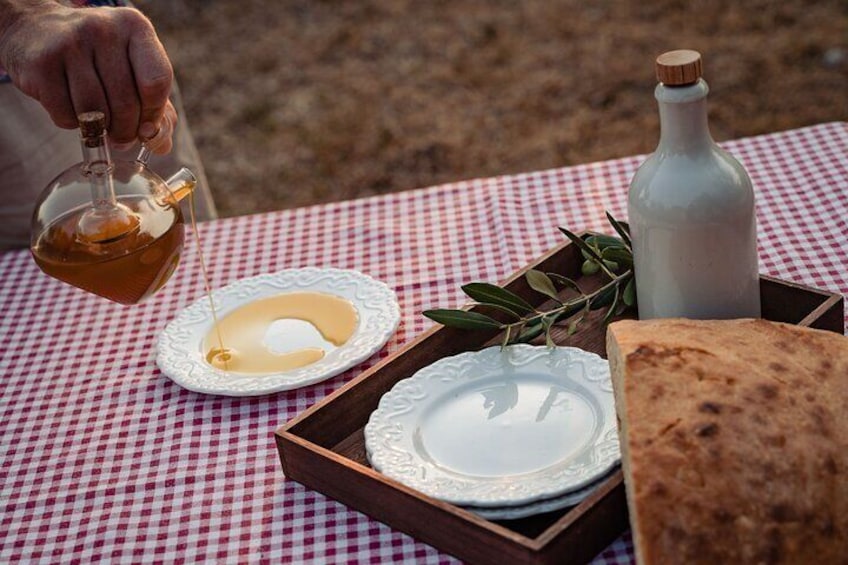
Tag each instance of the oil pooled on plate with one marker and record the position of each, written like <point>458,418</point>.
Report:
<point>280,333</point>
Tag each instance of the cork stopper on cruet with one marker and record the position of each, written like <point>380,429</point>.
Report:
<point>92,125</point>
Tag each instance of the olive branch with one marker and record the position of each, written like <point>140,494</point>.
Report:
<point>613,256</point>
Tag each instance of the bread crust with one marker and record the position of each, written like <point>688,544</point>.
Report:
<point>734,440</point>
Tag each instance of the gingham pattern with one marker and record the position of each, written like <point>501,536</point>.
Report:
<point>103,458</point>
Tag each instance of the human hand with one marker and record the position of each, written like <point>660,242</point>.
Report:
<point>161,141</point>
<point>75,60</point>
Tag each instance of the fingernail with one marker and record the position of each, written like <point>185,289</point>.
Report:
<point>147,130</point>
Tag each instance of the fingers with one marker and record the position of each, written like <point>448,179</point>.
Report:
<point>121,96</point>
<point>57,101</point>
<point>53,92</point>
<point>162,141</point>
<point>86,92</point>
<point>152,71</point>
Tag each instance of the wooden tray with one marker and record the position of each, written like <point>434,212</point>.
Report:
<point>323,448</point>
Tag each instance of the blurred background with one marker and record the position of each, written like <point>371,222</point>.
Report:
<point>299,102</point>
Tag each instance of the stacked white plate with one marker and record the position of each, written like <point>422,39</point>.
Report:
<point>506,432</point>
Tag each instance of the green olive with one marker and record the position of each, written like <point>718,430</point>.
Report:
<point>590,267</point>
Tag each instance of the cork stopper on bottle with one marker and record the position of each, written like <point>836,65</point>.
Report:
<point>679,68</point>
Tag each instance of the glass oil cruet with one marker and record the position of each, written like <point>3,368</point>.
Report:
<point>113,228</point>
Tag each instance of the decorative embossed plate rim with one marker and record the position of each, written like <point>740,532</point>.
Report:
<point>572,498</point>
<point>179,350</point>
<point>393,434</point>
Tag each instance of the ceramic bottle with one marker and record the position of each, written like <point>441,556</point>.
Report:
<point>691,210</point>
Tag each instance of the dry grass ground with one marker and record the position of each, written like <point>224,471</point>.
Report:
<point>300,101</point>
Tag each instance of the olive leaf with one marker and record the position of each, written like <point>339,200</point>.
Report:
<point>582,245</point>
<point>573,326</point>
<point>487,293</point>
<point>547,323</point>
<point>564,281</point>
<point>570,308</point>
<point>509,312</point>
<point>630,292</point>
<point>530,332</point>
<point>601,242</point>
<point>620,255</point>
<point>540,282</point>
<point>622,229</point>
<point>604,297</point>
<point>507,335</point>
<point>613,307</point>
<point>462,319</point>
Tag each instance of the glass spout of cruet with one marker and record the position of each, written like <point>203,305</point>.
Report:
<point>112,228</point>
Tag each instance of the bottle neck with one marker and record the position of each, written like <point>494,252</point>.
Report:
<point>95,155</point>
<point>683,118</point>
<point>97,166</point>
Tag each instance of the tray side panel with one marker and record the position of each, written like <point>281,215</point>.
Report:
<point>793,303</point>
<point>829,316</point>
<point>590,527</point>
<point>459,533</point>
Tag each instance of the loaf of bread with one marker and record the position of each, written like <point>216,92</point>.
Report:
<point>734,440</point>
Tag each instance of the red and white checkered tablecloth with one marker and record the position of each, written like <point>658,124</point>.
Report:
<point>104,458</point>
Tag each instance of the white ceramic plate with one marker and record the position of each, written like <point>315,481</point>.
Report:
<point>496,428</point>
<point>548,505</point>
<point>179,348</point>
